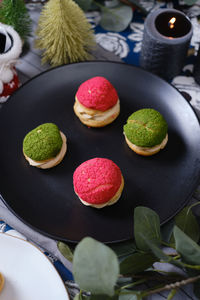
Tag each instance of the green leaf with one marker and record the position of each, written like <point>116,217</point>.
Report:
<point>147,223</point>
<point>117,18</point>
<point>187,222</point>
<point>155,249</point>
<point>172,294</point>
<point>84,4</point>
<point>185,246</point>
<point>95,267</point>
<point>136,263</point>
<point>160,254</point>
<point>124,248</point>
<point>65,251</point>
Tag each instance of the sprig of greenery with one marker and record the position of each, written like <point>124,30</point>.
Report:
<point>115,15</point>
<point>118,273</point>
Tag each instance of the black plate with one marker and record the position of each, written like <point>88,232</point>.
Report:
<point>45,200</point>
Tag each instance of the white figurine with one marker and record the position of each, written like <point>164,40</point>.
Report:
<point>10,50</point>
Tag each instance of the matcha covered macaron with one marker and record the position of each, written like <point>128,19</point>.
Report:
<point>45,146</point>
<point>146,131</point>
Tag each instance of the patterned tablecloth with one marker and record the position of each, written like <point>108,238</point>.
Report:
<point>124,46</point>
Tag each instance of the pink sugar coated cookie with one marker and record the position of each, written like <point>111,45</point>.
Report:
<point>97,180</point>
<point>97,93</point>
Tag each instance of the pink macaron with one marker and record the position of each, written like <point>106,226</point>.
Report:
<point>97,93</point>
<point>98,182</point>
<point>96,102</point>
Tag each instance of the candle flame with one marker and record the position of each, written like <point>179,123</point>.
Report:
<point>171,22</point>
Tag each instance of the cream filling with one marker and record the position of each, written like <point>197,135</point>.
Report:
<point>102,116</point>
<point>52,161</point>
<point>151,149</point>
<point>112,201</point>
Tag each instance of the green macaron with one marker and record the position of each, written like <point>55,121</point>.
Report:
<point>146,128</point>
<point>43,142</point>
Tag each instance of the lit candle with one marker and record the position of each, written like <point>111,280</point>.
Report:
<point>166,39</point>
<point>171,22</point>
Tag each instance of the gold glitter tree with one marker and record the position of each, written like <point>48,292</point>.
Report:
<point>63,33</point>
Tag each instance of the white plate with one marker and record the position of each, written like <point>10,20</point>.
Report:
<point>28,273</point>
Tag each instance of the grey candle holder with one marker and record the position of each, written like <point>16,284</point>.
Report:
<point>164,48</point>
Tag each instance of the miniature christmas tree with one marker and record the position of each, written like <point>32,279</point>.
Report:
<point>63,33</point>
<point>14,13</point>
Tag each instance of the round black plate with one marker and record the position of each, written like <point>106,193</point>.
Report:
<point>45,200</point>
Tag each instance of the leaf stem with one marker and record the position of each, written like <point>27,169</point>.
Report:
<point>159,275</point>
<point>171,286</point>
<point>166,244</point>
<point>133,283</point>
<point>192,205</point>
<point>177,256</point>
<point>167,273</point>
<point>195,267</point>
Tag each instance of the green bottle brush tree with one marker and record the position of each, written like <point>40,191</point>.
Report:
<point>63,33</point>
<point>15,14</point>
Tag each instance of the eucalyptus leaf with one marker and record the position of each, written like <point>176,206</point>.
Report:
<point>160,254</point>
<point>187,222</point>
<point>65,251</point>
<point>95,267</point>
<point>117,18</point>
<point>189,250</point>
<point>146,225</point>
<point>84,4</point>
<point>136,263</point>
<point>155,249</point>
